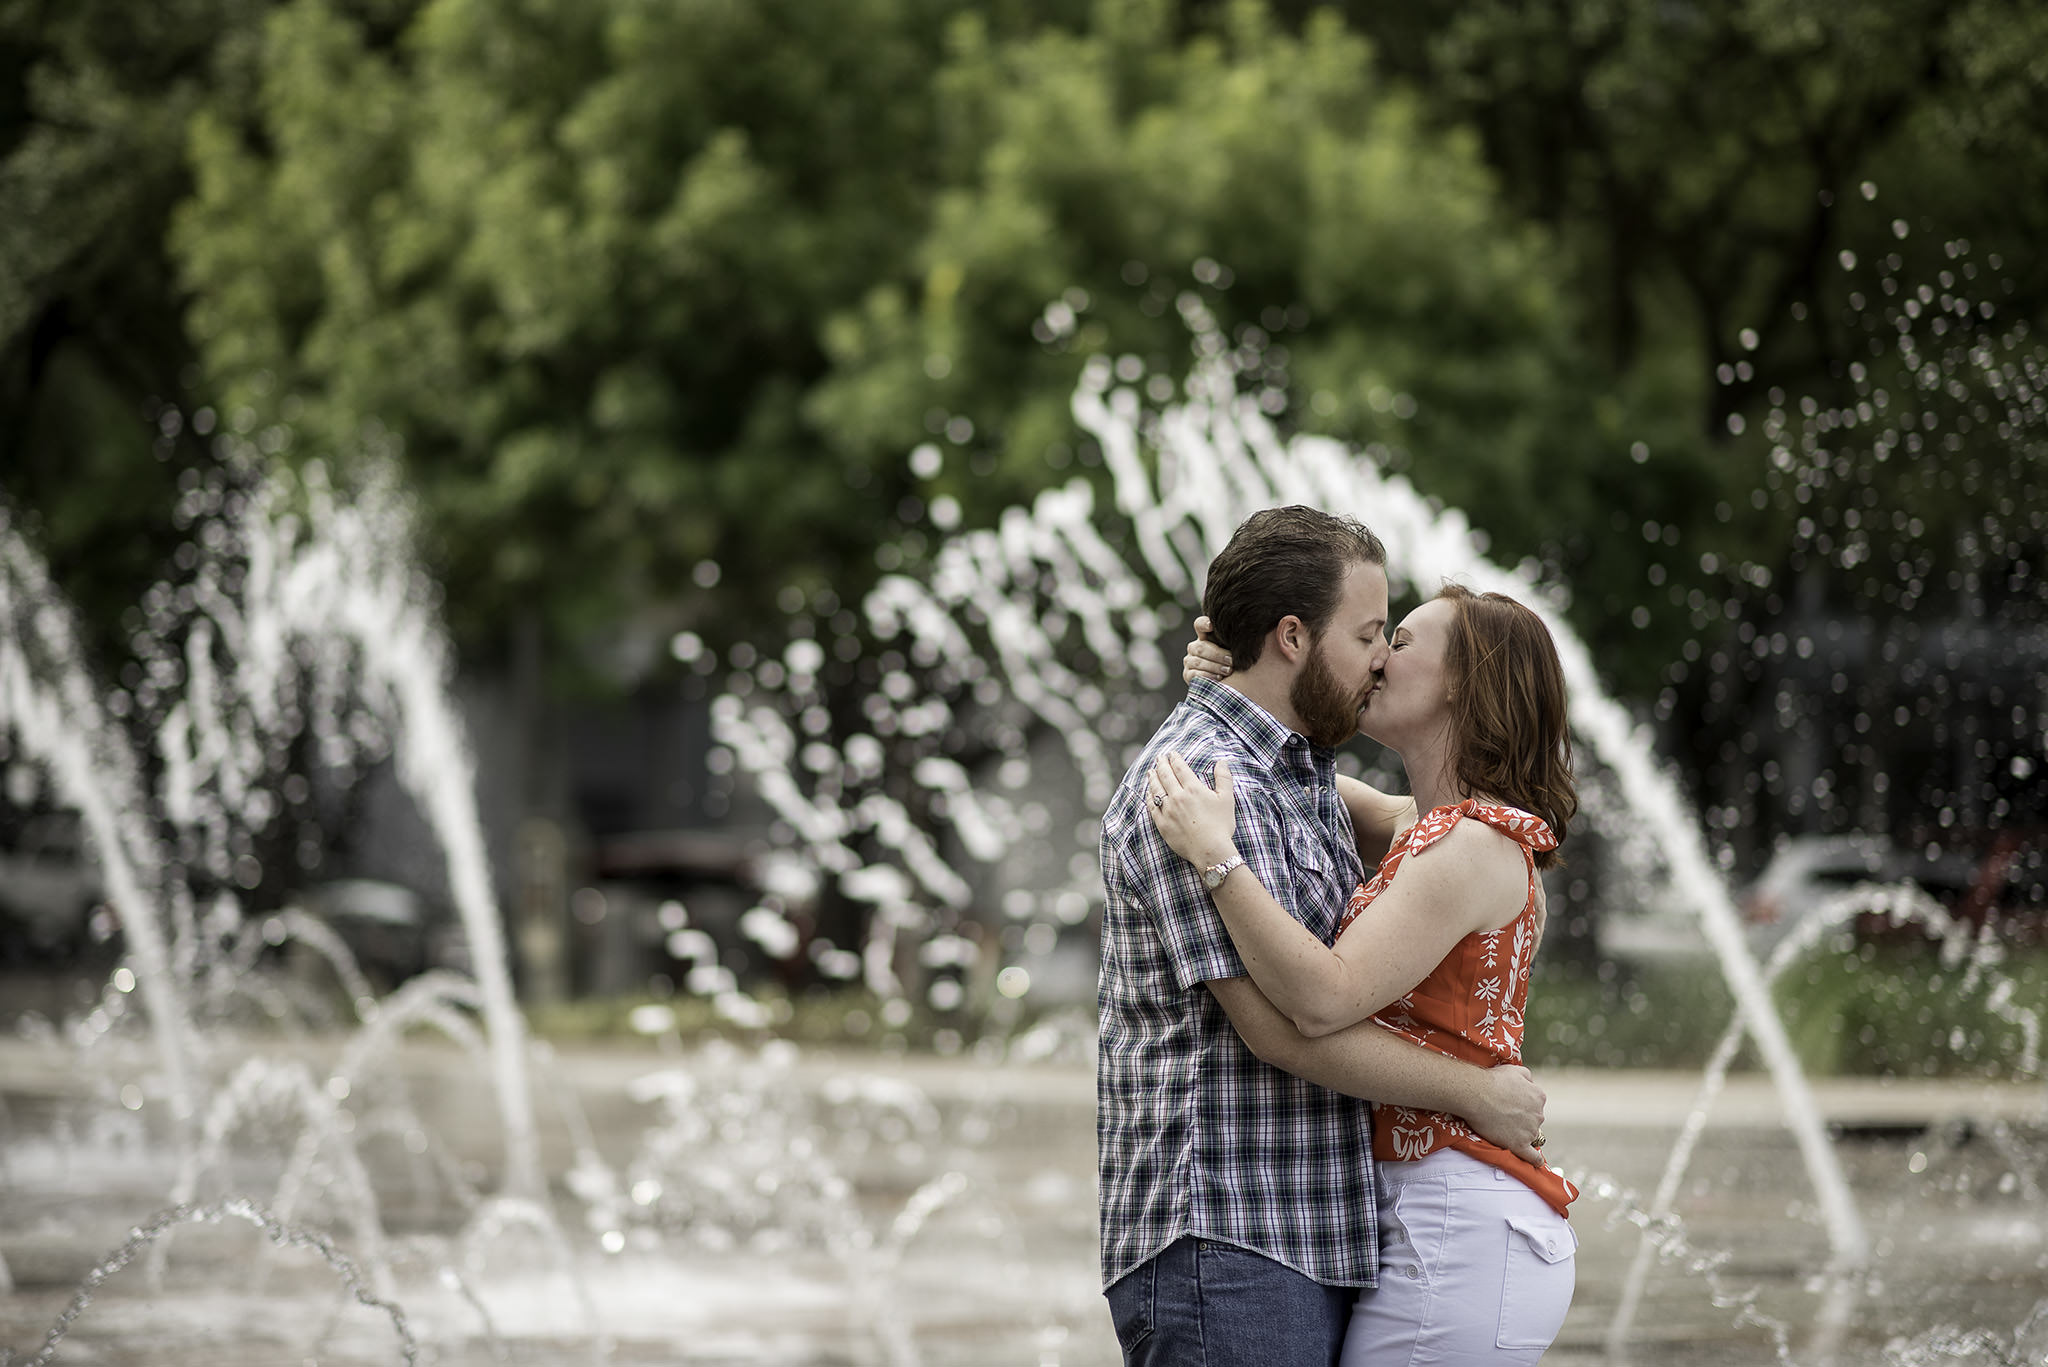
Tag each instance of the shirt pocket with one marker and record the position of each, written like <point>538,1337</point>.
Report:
<point>1317,894</point>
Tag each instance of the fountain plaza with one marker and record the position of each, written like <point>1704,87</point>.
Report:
<point>200,1163</point>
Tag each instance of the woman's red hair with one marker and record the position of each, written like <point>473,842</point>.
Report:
<point>1507,697</point>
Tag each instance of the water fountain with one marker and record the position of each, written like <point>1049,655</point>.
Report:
<point>304,627</point>
<point>1009,678</point>
<point>977,649</point>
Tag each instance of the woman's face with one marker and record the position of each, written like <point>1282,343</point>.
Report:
<point>1412,704</point>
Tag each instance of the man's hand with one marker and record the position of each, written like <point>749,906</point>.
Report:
<point>1509,1111</point>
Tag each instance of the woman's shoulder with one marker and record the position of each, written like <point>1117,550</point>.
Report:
<point>1473,826</point>
<point>1524,828</point>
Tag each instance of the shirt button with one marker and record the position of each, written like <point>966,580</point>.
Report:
<point>1412,1273</point>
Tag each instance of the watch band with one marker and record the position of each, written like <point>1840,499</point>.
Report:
<point>1213,876</point>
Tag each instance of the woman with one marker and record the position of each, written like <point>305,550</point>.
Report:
<point>1476,1253</point>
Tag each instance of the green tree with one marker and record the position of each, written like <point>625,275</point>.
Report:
<point>94,96</point>
<point>1746,197</point>
<point>637,286</point>
<point>1364,246</point>
<point>643,286</point>
<point>578,258</point>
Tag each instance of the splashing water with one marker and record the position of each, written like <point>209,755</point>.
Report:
<point>1023,650</point>
<point>48,700</point>
<point>322,605</point>
<point>302,620</point>
<point>234,1208</point>
<point>1913,513</point>
<point>1003,606</point>
<point>349,583</point>
<point>1899,904</point>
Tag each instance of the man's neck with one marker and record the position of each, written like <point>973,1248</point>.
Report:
<point>1270,692</point>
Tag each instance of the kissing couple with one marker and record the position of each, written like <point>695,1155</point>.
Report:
<point>1316,1142</point>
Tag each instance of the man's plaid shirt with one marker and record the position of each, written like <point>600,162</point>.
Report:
<point>1194,1135</point>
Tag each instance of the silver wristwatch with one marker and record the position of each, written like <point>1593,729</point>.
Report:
<point>1213,876</point>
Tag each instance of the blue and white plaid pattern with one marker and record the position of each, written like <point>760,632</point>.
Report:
<point>1194,1135</point>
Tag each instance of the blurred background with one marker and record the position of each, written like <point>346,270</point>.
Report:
<point>685,323</point>
<point>634,536</point>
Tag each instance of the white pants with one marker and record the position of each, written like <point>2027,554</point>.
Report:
<point>1474,1268</point>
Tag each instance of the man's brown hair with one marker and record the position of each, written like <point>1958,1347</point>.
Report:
<point>1507,695</point>
<point>1283,562</point>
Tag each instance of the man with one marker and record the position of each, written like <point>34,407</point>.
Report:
<point>1235,1154</point>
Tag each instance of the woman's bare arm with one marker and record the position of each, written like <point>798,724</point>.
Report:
<point>1429,907</point>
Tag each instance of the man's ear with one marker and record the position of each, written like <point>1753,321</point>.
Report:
<point>1292,638</point>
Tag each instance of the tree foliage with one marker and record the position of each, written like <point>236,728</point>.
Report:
<point>641,288</point>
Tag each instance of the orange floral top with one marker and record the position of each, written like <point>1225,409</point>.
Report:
<point>1470,1005</point>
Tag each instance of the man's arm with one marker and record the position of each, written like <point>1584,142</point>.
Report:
<point>1376,817</point>
<point>1503,1105</point>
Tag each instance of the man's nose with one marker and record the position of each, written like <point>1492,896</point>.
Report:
<point>1383,652</point>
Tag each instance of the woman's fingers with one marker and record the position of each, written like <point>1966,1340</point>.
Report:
<point>1204,660</point>
<point>1164,784</point>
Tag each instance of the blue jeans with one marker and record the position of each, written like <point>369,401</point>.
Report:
<point>1199,1303</point>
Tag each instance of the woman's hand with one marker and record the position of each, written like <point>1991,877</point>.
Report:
<point>1205,659</point>
<point>1199,822</point>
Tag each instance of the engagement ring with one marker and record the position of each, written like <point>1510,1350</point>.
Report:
<point>1159,800</point>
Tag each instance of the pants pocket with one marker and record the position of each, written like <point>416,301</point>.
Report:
<point>1131,1306</point>
<point>1536,1283</point>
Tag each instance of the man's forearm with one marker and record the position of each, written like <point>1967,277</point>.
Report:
<point>1366,1060</point>
<point>1363,1060</point>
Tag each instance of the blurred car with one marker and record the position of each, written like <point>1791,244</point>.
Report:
<point>391,931</point>
<point>48,886</point>
<point>1809,870</point>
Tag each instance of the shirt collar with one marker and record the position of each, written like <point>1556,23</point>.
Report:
<point>1270,743</point>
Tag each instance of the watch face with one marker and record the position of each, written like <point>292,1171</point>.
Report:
<point>1210,878</point>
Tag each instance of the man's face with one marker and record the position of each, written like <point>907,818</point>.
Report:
<point>1344,664</point>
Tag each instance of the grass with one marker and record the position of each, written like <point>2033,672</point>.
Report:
<point>1874,1009</point>
<point>846,1016</point>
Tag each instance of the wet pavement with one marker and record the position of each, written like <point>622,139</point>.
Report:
<point>973,1199</point>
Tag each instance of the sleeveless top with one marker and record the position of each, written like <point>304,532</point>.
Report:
<point>1470,1005</point>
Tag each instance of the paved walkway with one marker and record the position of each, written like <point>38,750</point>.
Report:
<point>994,1264</point>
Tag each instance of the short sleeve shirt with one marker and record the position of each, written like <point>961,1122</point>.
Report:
<point>1194,1134</point>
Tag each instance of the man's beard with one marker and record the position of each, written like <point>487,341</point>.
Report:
<point>1328,711</point>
